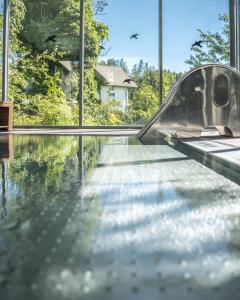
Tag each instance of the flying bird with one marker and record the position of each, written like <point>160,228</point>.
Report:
<point>51,38</point>
<point>197,44</point>
<point>128,80</point>
<point>134,36</point>
<point>104,51</point>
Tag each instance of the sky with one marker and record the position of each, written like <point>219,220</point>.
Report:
<point>181,19</point>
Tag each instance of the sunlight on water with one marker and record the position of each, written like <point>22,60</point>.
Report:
<point>107,217</point>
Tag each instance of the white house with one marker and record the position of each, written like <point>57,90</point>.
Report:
<point>111,82</point>
<point>112,85</point>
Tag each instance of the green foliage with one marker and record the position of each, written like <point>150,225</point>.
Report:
<point>169,79</point>
<point>144,104</point>
<point>16,18</point>
<point>61,18</point>
<point>45,177</point>
<point>44,110</point>
<point>216,46</point>
<point>90,92</point>
<point>91,147</point>
<point>30,74</point>
<point>35,86</point>
<point>37,94</point>
<point>144,101</point>
<point>106,114</point>
<point>36,81</point>
<point>44,160</point>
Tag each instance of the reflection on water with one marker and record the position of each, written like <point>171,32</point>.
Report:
<point>4,187</point>
<point>42,167</point>
<point>6,153</point>
<point>41,194</point>
<point>6,147</point>
<point>98,218</point>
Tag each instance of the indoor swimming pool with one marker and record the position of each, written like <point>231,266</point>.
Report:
<point>109,218</point>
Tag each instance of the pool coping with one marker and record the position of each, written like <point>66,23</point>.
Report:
<point>226,165</point>
<point>72,131</point>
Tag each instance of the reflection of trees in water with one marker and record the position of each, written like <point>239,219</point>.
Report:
<point>42,165</point>
<point>46,173</point>
<point>41,161</point>
<point>4,187</point>
<point>91,152</point>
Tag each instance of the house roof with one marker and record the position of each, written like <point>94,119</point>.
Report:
<point>114,76</point>
<point>66,64</point>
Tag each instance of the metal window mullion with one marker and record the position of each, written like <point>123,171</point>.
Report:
<point>237,39</point>
<point>160,52</point>
<point>6,18</point>
<point>81,64</point>
<point>234,33</point>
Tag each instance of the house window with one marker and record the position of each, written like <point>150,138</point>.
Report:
<point>112,95</point>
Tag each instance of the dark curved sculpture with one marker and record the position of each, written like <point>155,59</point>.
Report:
<point>204,102</point>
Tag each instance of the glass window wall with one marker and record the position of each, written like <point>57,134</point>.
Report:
<point>195,32</point>
<point>121,62</point>
<point>1,43</point>
<point>43,61</point>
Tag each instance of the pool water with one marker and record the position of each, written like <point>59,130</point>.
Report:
<point>109,218</point>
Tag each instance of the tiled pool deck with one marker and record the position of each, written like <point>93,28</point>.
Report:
<point>225,149</point>
<point>110,218</point>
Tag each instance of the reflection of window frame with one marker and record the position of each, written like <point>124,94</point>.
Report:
<point>234,12</point>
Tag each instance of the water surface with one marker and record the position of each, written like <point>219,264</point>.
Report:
<point>107,218</point>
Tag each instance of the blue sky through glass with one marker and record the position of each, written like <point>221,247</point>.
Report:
<point>181,20</point>
<point>125,17</point>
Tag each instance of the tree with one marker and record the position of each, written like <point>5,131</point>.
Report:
<point>137,71</point>
<point>144,101</point>
<point>143,104</point>
<point>168,80</point>
<point>41,35</point>
<point>216,46</point>
<point>99,7</point>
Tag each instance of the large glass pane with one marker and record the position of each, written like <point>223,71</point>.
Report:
<point>121,63</point>
<point>44,52</point>
<point>195,32</point>
<point>1,44</point>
